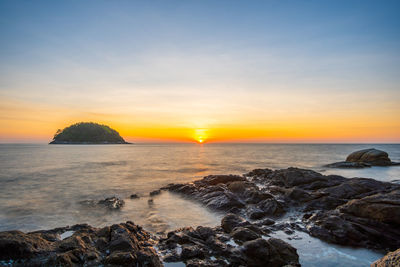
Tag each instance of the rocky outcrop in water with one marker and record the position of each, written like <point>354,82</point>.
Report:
<point>392,259</point>
<point>358,212</point>
<point>124,244</point>
<point>236,243</point>
<point>365,158</point>
<point>112,203</point>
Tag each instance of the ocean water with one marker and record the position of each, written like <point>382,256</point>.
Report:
<point>42,186</point>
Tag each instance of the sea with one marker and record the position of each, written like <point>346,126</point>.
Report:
<point>46,186</point>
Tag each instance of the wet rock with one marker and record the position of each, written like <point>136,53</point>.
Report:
<point>112,203</point>
<point>121,258</point>
<point>206,246</point>
<point>189,252</point>
<point>392,259</point>
<point>154,193</point>
<point>365,158</point>
<point>244,234</point>
<point>372,156</point>
<point>344,229</point>
<point>231,221</point>
<point>120,244</point>
<point>299,195</point>
<point>380,207</point>
<point>339,210</point>
<point>271,207</point>
<point>350,165</point>
<point>204,232</point>
<point>255,213</point>
<point>221,179</point>
<point>224,201</point>
<point>274,252</point>
<point>18,245</point>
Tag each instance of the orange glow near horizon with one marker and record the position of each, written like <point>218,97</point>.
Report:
<point>24,122</point>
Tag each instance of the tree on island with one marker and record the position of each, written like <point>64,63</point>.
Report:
<point>87,133</point>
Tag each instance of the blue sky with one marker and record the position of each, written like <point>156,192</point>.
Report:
<point>133,58</point>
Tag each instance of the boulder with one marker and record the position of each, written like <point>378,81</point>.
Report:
<point>364,158</point>
<point>244,234</point>
<point>372,156</point>
<point>231,221</point>
<point>380,207</point>
<point>392,259</point>
<point>272,252</point>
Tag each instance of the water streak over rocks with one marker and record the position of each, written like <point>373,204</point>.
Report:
<point>358,212</point>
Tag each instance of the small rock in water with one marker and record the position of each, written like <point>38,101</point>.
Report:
<point>112,203</point>
<point>365,158</point>
<point>155,192</point>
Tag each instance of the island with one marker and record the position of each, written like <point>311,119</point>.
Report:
<point>87,133</point>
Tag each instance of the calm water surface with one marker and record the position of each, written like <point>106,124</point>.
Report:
<point>41,186</point>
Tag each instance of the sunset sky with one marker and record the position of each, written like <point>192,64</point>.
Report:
<point>220,71</point>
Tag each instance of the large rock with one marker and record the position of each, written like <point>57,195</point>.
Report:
<point>121,244</point>
<point>206,246</point>
<point>364,158</point>
<point>380,207</point>
<point>372,156</point>
<point>272,252</point>
<point>231,221</point>
<point>392,259</point>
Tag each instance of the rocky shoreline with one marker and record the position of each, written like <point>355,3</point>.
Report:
<point>355,212</point>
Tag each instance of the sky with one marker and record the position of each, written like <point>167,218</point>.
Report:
<point>216,71</point>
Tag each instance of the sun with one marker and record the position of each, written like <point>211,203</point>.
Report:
<point>200,135</point>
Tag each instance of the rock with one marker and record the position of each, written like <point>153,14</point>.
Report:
<point>372,156</point>
<point>271,207</point>
<point>18,245</point>
<point>347,164</point>
<point>120,244</point>
<point>255,213</point>
<point>212,247</point>
<point>364,158</point>
<point>231,221</point>
<point>344,229</point>
<point>217,179</point>
<point>380,207</point>
<point>134,196</point>
<point>189,252</point>
<point>392,259</point>
<point>223,201</point>
<point>154,193</point>
<point>339,210</point>
<point>121,259</point>
<point>274,252</point>
<point>112,203</point>
<point>244,234</point>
